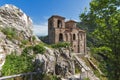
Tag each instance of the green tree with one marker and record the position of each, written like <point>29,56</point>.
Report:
<point>104,17</point>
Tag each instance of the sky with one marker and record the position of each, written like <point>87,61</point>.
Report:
<point>40,10</point>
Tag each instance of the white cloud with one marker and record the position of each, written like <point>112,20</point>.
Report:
<point>118,8</point>
<point>40,29</point>
<point>71,19</point>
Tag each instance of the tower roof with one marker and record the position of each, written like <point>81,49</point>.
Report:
<point>57,16</point>
<point>71,21</point>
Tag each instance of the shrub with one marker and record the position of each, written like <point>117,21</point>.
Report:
<point>33,38</point>
<point>24,42</point>
<point>86,79</point>
<point>44,44</point>
<point>39,49</point>
<point>60,45</point>
<point>27,50</point>
<point>17,64</point>
<point>9,32</point>
<point>36,49</point>
<point>77,69</point>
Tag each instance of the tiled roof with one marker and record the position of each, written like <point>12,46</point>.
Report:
<point>57,16</point>
<point>71,21</point>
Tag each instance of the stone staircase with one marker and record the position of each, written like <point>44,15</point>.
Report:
<point>82,63</point>
<point>86,71</point>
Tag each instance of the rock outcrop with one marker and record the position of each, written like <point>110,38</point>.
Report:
<point>15,31</point>
<point>62,62</point>
<point>11,16</point>
<point>58,62</point>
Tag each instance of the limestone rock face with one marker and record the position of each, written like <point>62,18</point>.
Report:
<point>11,16</point>
<point>57,62</point>
<point>62,62</point>
<point>15,31</point>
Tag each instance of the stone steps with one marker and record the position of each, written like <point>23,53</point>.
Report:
<point>82,63</point>
<point>87,72</point>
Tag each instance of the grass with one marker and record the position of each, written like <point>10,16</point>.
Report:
<point>86,79</point>
<point>44,44</point>
<point>77,69</point>
<point>60,45</point>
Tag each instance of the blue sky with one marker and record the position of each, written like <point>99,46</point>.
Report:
<point>41,10</point>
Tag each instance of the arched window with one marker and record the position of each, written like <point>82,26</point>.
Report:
<point>59,23</point>
<point>74,37</point>
<point>60,37</point>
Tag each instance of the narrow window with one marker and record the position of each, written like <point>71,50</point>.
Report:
<point>59,24</point>
<point>60,37</point>
<point>51,24</point>
<point>74,37</point>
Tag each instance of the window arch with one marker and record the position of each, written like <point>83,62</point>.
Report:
<point>74,37</point>
<point>60,37</point>
<point>59,24</point>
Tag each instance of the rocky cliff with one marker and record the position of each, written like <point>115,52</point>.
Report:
<point>15,31</point>
<point>65,64</point>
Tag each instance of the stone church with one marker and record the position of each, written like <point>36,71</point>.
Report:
<point>61,31</point>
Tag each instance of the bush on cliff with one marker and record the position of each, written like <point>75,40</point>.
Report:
<point>9,32</point>
<point>60,45</point>
<point>39,49</point>
<point>17,64</point>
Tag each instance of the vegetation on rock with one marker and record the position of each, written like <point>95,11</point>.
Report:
<point>9,32</point>
<point>24,42</point>
<point>77,69</point>
<point>86,79</point>
<point>33,38</point>
<point>39,49</point>
<point>17,64</point>
<point>60,45</point>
